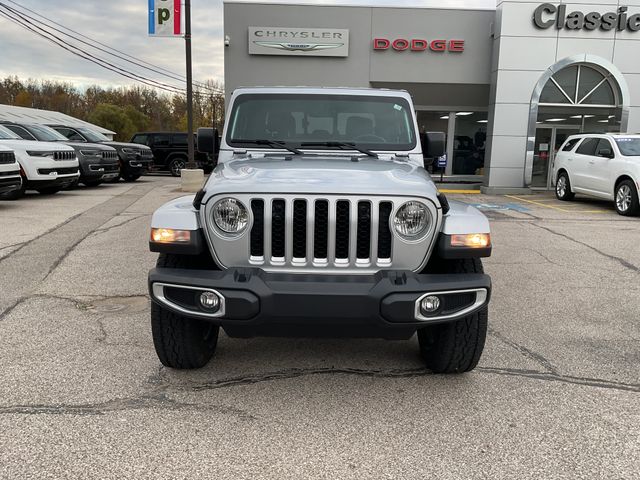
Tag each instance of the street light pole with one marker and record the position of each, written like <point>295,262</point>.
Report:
<point>187,38</point>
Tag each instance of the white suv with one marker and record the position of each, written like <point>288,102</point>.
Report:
<point>44,166</point>
<point>10,179</point>
<point>600,165</point>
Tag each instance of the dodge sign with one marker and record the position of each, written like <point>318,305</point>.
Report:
<point>317,42</point>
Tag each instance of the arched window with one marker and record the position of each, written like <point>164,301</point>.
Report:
<point>581,85</point>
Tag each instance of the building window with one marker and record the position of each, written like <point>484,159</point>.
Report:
<point>469,143</point>
<point>580,85</point>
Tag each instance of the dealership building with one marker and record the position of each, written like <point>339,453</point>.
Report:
<point>507,85</point>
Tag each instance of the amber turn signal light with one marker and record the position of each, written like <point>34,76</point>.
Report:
<point>471,240</point>
<point>169,235</point>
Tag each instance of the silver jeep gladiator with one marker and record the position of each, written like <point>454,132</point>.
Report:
<point>320,220</point>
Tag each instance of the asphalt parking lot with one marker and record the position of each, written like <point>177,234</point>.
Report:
<point>83,395</point>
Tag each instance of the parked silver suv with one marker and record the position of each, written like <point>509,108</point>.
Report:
<point>320,220</point>
<point>603,166</point>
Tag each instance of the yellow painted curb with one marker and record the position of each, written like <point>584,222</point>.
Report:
<point>467,192</point>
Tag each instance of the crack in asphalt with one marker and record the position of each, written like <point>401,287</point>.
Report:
<point>536,357</point>
<point>149,401</point>
<point>621,261</point>
<point>129,220</point>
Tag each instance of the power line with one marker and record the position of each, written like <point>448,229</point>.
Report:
<point>84,54</point>
<point>120,54</point>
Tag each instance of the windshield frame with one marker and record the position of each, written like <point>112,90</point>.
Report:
<point>299,143</point>
<point>622,140</point>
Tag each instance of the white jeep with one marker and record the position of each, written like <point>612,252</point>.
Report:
<point>10,180</point>
<point>320,220</point>
<point>45,167</point>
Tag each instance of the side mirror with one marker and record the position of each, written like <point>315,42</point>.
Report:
<point>435,144</point>
<point>208,140</point>
<point>605,152</point>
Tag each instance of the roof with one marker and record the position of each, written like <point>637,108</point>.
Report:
<point>34,115</point>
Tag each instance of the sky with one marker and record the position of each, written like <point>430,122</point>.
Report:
<point>123,25</point>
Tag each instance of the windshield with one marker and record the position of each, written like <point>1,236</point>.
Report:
<point>46,134</point>
<point>371,122</point>
<point>629,147</point>
<point>92,136</point>
<point>6,134</point>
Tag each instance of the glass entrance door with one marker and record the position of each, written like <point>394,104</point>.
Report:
<point>541,157</point>
<point>549,139</point>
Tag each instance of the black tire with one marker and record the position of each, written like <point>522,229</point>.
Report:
<point>49,190</point>
<point>626,198</point>
<point>182,342</point>
<point>130,177</point>
<point>455,347</point>
<point>176,165</point>
<point>563,187</point>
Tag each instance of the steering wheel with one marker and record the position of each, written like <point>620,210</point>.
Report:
<point>369,137</point>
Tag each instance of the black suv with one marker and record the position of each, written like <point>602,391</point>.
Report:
<point>170,151</point>
<point>134,159</point>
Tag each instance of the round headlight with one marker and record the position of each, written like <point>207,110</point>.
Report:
<point>412,220</point>
<point>230,216</point>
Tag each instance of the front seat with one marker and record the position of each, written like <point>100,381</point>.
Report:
<point>281,125</point>
<point>358,126</point>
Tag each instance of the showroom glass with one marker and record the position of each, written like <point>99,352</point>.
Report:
<point>629,147</point>
<point>92,136</point>
<point>579,85</point>
<point>377,123</point>
<point>469,143</point>
<point>6,134</point>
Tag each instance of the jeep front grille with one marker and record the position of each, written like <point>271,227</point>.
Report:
<point>64,155</point>
<point>110,155</point>
<point>310,236</point>
<point>328,233</point>
<point>7,157</point>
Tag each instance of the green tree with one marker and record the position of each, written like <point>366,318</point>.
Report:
<point>114,118</point>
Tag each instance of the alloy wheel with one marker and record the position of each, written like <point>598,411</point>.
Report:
<point>177,166</point>
<point>623,198</point>
<point>561,186</point>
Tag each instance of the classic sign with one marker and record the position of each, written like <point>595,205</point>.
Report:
<point>322,42</point>
<point>548,15</point>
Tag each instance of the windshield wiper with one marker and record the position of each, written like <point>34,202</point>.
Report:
<point>273,144</point>
<point>348,145</point>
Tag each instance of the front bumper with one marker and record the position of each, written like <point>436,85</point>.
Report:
<point>10,182</point>
<point>257,303</point>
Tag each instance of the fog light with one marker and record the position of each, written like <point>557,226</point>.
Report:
<point>209,301</point>
<point>430,304</point>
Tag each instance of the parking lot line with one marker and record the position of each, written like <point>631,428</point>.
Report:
<point>565,210</point>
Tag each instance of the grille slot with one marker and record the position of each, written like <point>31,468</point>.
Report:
<point>299,229</point>
<point>321,229</point>
<point>342,229</point>
<point>364,230</point>
<point>59,171</point>
<point>7,157</point>
<point>257,232</point>
<point>384,231</point>
<point>277,229</point>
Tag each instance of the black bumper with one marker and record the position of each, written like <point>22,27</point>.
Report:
<point>258,303</point>
<point>10,184</point>
<point>61,182</point>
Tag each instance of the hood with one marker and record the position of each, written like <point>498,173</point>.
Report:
<point>89,146</point>
<point>126,145</point>
<point>34,146</point>
<point>321,174</point>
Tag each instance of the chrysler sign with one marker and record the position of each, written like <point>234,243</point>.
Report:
<point>318,42</point>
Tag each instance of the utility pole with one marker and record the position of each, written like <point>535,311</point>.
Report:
<point>187,39</point>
